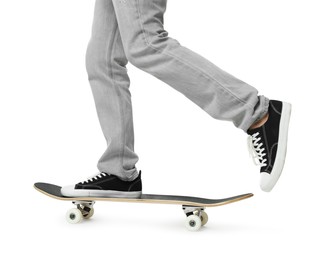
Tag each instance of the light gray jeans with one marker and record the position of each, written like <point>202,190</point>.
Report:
<point>132,30</point>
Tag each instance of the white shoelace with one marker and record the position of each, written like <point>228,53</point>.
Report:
<point>256,151</point>
<point>95,177</point>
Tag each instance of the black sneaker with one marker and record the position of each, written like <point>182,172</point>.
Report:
<point>268,143</point>
<point>105,185</point>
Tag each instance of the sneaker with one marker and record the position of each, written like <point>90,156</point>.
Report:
<point>268,143</point>
<point>105,185</point>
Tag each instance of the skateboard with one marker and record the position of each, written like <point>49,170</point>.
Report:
<point>193,207</point>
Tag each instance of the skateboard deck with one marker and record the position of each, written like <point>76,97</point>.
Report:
<point>193,206</point>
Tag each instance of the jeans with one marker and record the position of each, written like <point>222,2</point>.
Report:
<point>132,30</point>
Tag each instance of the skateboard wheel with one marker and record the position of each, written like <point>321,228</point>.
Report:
<point>74,216</point>
<point>193,223</point>
<point>204,218</point>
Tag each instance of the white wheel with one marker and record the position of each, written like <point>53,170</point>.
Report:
<point>193,223</point>
<point>74,216</point>
<point>89,214</point>
<point>204,218</point>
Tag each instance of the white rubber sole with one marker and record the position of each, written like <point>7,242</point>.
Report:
<point>268,181</point>
<point>70,191</point>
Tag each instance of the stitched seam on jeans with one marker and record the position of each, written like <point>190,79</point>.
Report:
<point>118,94</point>
<point>140,22</point>
<point>196,69</point>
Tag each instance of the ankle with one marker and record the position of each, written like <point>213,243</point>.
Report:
<point>260,122</point>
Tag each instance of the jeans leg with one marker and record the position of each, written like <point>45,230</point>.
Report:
<point>109,81</point>
<point>148,47</point>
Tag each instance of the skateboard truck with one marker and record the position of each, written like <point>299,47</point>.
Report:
<point>84,210</point>
<point>196,217</point>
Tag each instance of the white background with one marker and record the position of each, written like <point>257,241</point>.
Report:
<point>50,132</point>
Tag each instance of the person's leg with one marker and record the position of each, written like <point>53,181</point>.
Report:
<point>107,73</point>
<point>148,47</point>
